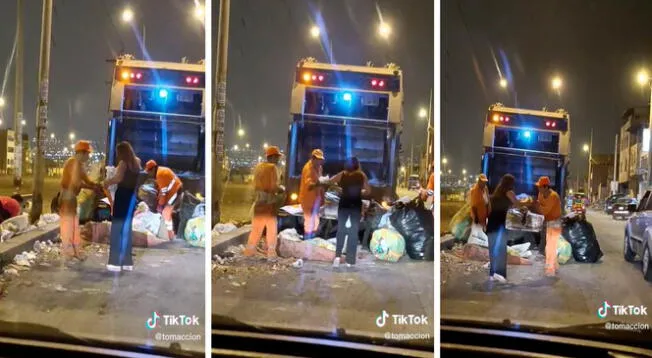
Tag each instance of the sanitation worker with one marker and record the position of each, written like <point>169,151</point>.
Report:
<point>548,204</point>
<point>311,193</point>
<point>73,180</point>
<point>267,187</point>
<point>169,189</point>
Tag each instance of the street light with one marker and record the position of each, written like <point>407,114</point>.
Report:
<point>444,161</point>
<point>127,15</point>
<point>241,132</point>
<point>315,32</point>
<point>71,136</point>
<point>585,148</point>
<point>556,83</point>
<point>503,83</point>
<point>423,113</point>
<point>23,122</point>
<point>449,171</point>
<point>463,171</point>
<point>247,145</point>
<point>265,145</point>
<point>384,30</point>
<point>642,77</point>
<point>51,135</point>
<point>235,147</point>
<point>2,102</point>
<point>199,12</point>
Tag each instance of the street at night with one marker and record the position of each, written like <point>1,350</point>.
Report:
<point>571,299</point>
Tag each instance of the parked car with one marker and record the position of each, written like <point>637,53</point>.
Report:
<point>413,182</point>
<point>609,203</point>
<point>638,235</point>
<point>623,208</point>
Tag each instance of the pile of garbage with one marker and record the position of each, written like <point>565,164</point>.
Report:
<point>20,224</point>
<point>232,265</point>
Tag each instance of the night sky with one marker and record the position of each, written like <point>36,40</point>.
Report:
<point>85,34</point>
<point>267,38</point>
<point>595,46</point>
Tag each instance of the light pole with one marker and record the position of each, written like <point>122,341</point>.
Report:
<point>422,114</point>
<point>219,110</point>
<point>241,132</point>
<point>588,148</point>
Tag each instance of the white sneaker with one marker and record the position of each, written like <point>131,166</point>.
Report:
<point>499,278</point>
<point>113,268</point>
<point>128,268</point>
<point>336,262</point>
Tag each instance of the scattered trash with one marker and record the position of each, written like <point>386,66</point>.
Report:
<point>298,263</point>
<point>224,228</point>
<point>289,234</point>
<point>60,288</point>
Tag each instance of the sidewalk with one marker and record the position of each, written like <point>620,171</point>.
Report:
<point>85,300</point>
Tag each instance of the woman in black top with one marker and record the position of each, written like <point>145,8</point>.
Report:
<point>124,205</point>
<point>501,200</point>
<point>354,184</point>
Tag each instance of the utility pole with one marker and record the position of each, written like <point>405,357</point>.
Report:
<point>42,110</point>
<point>219,110</point>
<point>649,126</point>
<point>588,179</point>
<point>18,100</point>
<point>411,171</point>
<point>614,184</point>
<point>430,155</point>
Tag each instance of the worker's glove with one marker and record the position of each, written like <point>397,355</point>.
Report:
<point>324,180</point>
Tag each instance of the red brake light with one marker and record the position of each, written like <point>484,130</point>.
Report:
<point>139,75</point>
<point>554,124</point>
<point>374,82</point>
<point>195,80</point>
<point>188,79</point>
<point>506,119</point>
<point>321,78</point>
<point>381,83</point>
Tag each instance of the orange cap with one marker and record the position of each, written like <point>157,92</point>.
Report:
<point>543,181</point>
<point>271,151</point>
<point>151,164</point>
<point>317,153</point>
<point>83,146</point>
<point>483,178</point>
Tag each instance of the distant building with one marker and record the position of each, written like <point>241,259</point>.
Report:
<point>7,151</point>
<point>631,157</point>
<point>602,169</point>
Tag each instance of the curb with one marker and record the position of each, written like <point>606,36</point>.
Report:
<point>233,238</point>
<point>25,242</point>
<point>447,242</point>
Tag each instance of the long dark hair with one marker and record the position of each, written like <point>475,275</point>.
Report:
<point>126,154</point>
<point>506,184</point>
<point>352,165</point>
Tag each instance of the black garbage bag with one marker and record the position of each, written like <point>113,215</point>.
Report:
<point>581,236</point>
<point>148,193</point>
<point>188,204</point>
<point>417,225</point>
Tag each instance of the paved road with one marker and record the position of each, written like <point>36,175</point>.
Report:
<point>319,297</point>
<point>85,300</point>
<point>571,299</point>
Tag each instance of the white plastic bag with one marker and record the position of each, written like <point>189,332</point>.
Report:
<point>478,237</point>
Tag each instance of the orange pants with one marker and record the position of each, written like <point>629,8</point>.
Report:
<point>167,218</point>
<point>310,219</point>
<point>552,236</point>
<point>260,222</point>
<point>70,234</point>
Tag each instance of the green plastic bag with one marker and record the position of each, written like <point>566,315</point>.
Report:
<point>460,224</point>
<point>387,245</point>
<point>194,232</point>
<point>564,250</point>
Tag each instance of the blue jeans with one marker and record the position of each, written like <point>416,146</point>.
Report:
<point>498,252</point>
<point>123,211</point>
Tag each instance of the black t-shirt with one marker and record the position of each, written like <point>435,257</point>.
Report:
<point>352,184</point>
<point>498,214</point>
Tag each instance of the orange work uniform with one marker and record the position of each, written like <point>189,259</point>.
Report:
<point>480,201</point>
<point>431,182</point>
<point>310,197</point>
<point>550,208</point>
<point>266,186</point>
<point>169,186</point>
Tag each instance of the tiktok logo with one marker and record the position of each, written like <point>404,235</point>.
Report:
<point>603,311</point>
<point>152,322</point>
<point>381,320</point>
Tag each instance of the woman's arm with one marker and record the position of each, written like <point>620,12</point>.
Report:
<point>512,197</point>
<point>336,179</point>
<point>119,175</point>
<point>366,188</point>
<point>86,182</point>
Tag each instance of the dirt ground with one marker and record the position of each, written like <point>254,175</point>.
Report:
<point>448,210</point>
